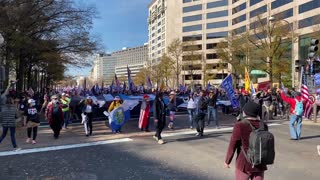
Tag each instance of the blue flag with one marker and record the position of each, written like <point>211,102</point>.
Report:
<point>227,85</point>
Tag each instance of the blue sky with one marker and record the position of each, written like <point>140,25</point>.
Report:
<point>120,23</point>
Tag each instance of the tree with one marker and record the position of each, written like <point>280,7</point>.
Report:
<point>262,47</point>
<point>192,60</point>
<point>166,67</point>
<point>33,29</point>
<point>175,52</point>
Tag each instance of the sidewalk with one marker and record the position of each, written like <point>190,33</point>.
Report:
<point>311,122</point>
<point>75,134</point>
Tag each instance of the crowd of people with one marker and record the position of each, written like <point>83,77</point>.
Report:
<point>253,113</point>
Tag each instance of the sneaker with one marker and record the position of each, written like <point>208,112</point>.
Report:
<point>34,142</point>
<point>198,134</point>
<point>191,127</point>
<point>155,137</point>
<point>160,141</point>
<point>28,140</point>
<point>318,147</point>
<point>17,149</point>
<point>217,127</point>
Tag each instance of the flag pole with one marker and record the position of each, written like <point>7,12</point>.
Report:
<point>300,84</point>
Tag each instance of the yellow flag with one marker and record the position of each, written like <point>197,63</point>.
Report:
<point>247,81</point>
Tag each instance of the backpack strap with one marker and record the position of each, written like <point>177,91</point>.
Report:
<point>246,121</point>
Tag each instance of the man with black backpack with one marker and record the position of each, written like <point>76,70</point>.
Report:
<point>253,143</point>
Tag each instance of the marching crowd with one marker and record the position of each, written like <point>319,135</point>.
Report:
<point>202,108</point>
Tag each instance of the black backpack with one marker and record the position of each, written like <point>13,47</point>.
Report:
<point>261,146</point>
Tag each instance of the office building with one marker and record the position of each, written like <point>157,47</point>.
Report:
<point>205,23</point>
<point>164,25</point>
<point>135,58</point>
<point>103,68</point>
<point>301,16</point>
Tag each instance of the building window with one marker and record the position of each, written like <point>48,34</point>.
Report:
<point>192,47</point>
<point>212,56</point>
<point>212,45</point>
<point>253,2</point>
<point>192,28</point>
<point>192,38</point>
<point>309,21</point>
<point>186,1</point>
<point>234,1</point>
<point>258,23</point>
<point>277,3</point>
<point>239,30</point>
<point>159,37</point>
<point>239,19</point>
<point>217,14</point>
<point>239,8</point>
<point>217,35</point>
<point>258,11</point>
<point>192,8</point>
<point>159,23</point>
<point>217,4</point>
<point>309,6</point>
<point>192,18</point>
<point>191,57</point>
<point>217,24</point>
<point>159,30</point>
<point>284,14</point>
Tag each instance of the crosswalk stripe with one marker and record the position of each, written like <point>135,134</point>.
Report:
<point>55,148</point>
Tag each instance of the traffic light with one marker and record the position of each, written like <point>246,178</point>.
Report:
<point>316,67</point>
<point>313,48</point>
<point>299,64</point>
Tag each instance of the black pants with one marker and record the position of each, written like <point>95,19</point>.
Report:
<point>35,132</point>
<point>89,123</point>
<point>199,120</point>
<point>159,127</point>
<point>56,127</point>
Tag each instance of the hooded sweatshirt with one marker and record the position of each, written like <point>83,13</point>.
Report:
<point>291,101</point>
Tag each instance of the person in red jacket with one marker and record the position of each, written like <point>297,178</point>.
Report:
<point>54,115</point>
<point>240,138</point>
<point>295,132</point>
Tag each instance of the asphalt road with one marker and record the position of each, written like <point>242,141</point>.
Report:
<point>182,157</point>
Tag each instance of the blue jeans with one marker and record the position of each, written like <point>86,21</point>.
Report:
<point>213,111</point>
<point>295,132</point>
<point>66,118</point>
<point>12,134</point>
<point>191,115</point>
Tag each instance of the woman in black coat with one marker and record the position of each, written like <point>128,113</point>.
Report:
<point>159,116</point>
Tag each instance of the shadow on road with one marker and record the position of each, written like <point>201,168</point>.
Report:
<point>310,137</point>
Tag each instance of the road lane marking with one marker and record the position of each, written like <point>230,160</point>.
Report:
<point>207,131</point>
<point>55,148</point>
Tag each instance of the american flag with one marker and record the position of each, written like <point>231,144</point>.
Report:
<point>305,96</point>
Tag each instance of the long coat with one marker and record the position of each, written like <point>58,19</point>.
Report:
<point>159,110</point>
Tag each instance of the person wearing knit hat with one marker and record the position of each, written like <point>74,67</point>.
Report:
<point>239,140</point>
<point>251,109</point>
<point>144,114</point>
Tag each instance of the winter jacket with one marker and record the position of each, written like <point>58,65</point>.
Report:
<point>191,104</point>
<point>9,115</point>
<point>291,101</point>
<point>159,110</point>
<point>114,105</point>
<point>212,102</point>
<point>49,113</point>
<point>240,137</point>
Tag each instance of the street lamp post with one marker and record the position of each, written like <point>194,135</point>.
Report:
<point>271,18</point>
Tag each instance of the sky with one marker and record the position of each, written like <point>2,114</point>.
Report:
<point>120,23</point>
